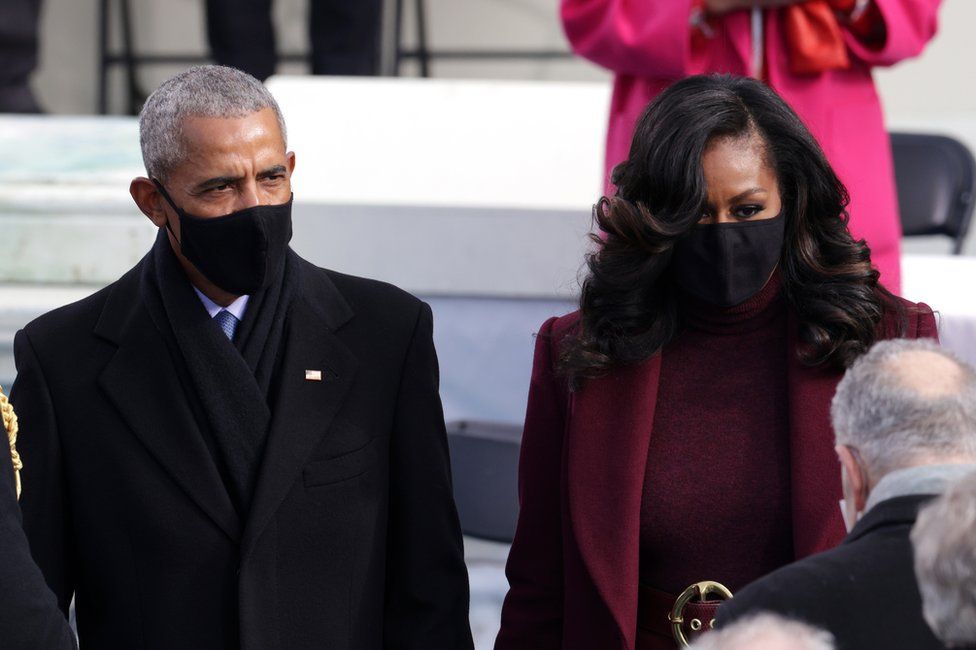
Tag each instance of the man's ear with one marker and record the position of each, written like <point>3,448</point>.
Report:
<point>290,163</point>
<point>146,195</point>
<point>856,475</point>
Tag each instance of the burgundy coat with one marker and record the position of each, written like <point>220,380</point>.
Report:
<point>574,564</point>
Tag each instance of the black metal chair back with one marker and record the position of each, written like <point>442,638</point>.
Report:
<point>484,465</point>
<point>935,176</point>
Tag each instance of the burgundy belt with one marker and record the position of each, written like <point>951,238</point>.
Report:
<point>655,626</point>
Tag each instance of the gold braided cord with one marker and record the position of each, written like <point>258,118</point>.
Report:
<point>10,424</point>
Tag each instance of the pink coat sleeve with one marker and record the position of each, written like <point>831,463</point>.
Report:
<point>910,25</point>
<point>642,38</point>
<point>532,616</point>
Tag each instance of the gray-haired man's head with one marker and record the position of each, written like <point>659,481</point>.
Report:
<point>904,403</point>
<point>766,632</point>
<point>213,141</point>
<point>201,91</point>
<point>944,538</point>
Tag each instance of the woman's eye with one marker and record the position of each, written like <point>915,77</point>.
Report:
<point>748,211</point>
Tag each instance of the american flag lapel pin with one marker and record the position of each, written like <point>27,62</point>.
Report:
<point>313,375</point>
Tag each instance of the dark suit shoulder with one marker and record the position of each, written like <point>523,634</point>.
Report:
<point>825,589</point>
<point>375,307</point>
<point>80,317</point>
<point>796,590</point>
<point>876,552</point>
<point>366,293</point>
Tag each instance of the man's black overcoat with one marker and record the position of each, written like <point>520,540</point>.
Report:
<point>864,591</point>
<point>352,538</point>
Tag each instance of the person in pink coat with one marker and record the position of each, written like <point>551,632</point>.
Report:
<point>649,44</point>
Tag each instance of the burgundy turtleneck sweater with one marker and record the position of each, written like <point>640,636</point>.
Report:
<point>716,502</point>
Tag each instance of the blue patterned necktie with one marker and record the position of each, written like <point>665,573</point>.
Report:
<point>227,322</point>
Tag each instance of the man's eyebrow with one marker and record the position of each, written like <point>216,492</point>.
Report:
<point>749,192</point>
<point>217,181</point>
<point>273,171</point>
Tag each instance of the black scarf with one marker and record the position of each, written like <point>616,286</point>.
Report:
<point>233,397</point>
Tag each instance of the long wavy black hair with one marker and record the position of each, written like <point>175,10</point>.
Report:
<point>628,305</point>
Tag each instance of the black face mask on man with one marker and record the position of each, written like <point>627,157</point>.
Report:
<point>239,252</point>
<point>725,264</point>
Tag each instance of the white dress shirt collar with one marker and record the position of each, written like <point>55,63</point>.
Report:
<point>237,308</point>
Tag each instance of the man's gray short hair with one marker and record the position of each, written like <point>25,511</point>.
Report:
<point>766,631</point>
<point>201,91</point>
<point>944,538</point>
<point>898,403</point>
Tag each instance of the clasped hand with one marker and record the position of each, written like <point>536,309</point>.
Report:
<point>725,6</point>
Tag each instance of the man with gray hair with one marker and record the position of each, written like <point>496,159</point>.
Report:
<point>766,632</point>
<point>229,447</point>
<point>905,420</point>
<point>944,538</point>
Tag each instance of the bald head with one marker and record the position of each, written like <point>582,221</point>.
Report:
<point>927,373</point>
<point>907,402</point>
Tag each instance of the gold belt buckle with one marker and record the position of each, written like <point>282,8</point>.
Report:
<point>698,590</point>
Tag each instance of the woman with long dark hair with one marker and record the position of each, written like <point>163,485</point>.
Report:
<point>819,54</point>
<point>677,441</point>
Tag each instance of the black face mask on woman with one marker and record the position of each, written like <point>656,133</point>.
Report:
<point>238,252</point>
<point>725,264</point>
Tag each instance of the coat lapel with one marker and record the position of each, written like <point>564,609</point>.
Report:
<point>608,439</point>
<point>814,470</point>
<point>304,409</point>
<point>141,381</point>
